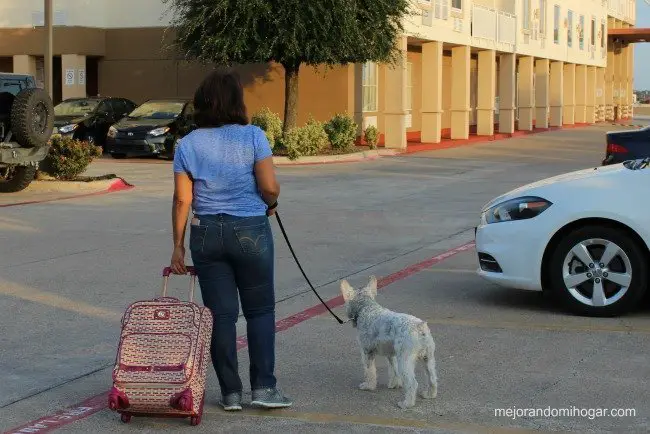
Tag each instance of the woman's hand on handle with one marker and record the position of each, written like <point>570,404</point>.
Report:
<point>178,261</point>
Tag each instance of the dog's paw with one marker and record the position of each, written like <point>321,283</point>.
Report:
<point>394,384</point>
<point>367,386</point>
<point>405,404</point>
<point>429,394</point>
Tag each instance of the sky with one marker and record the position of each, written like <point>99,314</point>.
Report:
<point>642,50</point>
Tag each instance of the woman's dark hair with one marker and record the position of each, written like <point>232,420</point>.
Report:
<point>219,100</point>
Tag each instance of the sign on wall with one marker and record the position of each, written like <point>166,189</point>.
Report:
<point>82,77</point>
<point>69,77</point>
<point>409,120</point>
<point>599,93</point>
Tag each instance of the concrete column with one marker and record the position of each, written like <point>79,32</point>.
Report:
<point>569,115</point>
<point>609,85</point>
<point>460,89</point>
<point>591,95</point>
<point>431,92</point>
<point>487,76</point>
<point>600,94</point>
<point>72,63</point>
<point>542,78</point>
<point>630,80</point>
<point>526,93</point>
<point>557,93</point>
<point>395,101</point>
<point>24,64</point>
<point>618,72</point>
<point>507,70</point>
<point>581,94</point>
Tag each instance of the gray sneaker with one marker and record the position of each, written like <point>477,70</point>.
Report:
<point>231,402</point>
<point>270,398</point>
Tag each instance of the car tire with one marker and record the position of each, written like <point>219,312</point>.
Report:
<point>30,131</point>
<point>627,266</point>
<point>17,179</point>
<point>119,156</point>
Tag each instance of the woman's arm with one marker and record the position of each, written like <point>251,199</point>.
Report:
<point>266,180</point>
<point>180,211</point>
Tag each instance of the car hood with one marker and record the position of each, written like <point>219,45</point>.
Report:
<point>550,188</point>
<point>60,121</point>
<point>138,125</point>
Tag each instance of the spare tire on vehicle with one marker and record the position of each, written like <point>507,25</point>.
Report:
<point>32,118</point>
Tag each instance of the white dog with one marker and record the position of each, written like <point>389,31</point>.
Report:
<point>401,338</point>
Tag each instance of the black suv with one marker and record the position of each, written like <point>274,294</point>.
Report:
<point>152,129</point>
<point>88,119</point>
<point>26,124</point>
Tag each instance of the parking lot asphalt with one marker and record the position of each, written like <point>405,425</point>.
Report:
<point>70,268</point>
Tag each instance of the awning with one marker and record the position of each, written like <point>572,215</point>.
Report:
<point>630,35</point>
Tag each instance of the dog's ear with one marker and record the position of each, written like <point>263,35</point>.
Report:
<point>372,286</point>
<point>346,290</point>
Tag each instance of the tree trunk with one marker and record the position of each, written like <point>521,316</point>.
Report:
<point>290,96</point>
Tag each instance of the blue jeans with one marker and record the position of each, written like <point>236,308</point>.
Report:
<point>234,256</point>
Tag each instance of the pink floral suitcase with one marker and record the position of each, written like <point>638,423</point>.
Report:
<point>162,358</point>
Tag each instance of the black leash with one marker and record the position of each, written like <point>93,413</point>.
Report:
<point>303,271</point>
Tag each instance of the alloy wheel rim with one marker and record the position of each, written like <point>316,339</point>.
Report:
<point>597,272</point>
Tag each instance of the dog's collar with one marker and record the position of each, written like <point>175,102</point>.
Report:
<point>354,320</point>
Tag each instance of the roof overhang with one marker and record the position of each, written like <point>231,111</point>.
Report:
<point>630,35</point>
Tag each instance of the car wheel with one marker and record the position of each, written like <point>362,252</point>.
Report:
<point>598,271</point>
<point>32,118</point>
<point>16,178</point>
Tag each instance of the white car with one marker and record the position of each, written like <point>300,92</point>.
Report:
<point>583,236</point>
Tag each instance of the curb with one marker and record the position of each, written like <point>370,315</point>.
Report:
<point>333,159</point>
<point>119,184</point>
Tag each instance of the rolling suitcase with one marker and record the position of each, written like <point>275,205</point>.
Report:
<point>162,359</point>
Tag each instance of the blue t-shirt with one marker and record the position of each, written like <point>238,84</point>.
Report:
<point>220,162</point>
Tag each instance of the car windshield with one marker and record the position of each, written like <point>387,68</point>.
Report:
<point>157,110</point>
<point>79,107</point>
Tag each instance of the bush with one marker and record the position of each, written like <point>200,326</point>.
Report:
<point>371,136</point>
<point>69,158</point>
<point>271,124</point>
<point>341,131</point>
<point>308,140</point>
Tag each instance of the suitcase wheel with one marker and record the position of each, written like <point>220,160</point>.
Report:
<point>195,420</point>
<point>126,418</point>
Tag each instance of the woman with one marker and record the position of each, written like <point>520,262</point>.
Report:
<point>224,171</point>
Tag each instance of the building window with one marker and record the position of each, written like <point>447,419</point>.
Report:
<point>542,17</point>
<point>457,4</point>
<point>581,35</point>
<point>569,33</point>
<point>602,35</point>
<point>556,24</point>
<point>369,86</point>
<point>441,9</point>
<point>409,86</point>
<point>526,14</point>
<point>592,42</point>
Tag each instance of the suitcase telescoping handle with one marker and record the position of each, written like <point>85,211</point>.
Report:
<point>167,271</point>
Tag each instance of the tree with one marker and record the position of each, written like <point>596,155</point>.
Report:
<point>289,32</point>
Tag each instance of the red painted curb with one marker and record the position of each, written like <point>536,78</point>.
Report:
<point>97,403</point>
<point>118,185</point>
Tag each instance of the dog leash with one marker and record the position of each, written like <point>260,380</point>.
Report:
<point>286,237</point>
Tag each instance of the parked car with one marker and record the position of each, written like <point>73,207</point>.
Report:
<point>152,129</point>
<point>627,145</point>
<point>90,118</point>
<point>583,236</point>
<point>26,123</point>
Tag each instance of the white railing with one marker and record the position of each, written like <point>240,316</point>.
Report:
<point>506,28</point>
<point>484,23</point>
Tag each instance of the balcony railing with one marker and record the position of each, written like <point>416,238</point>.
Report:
<point>491,27</point>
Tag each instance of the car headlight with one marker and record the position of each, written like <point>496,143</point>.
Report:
<point>68,128</point>
<point>521,208</point>
<point>112,132</point>
<point>158,131</point>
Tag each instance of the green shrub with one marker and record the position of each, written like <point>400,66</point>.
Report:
<point>271,124</point>
<point>341,131</point>
<point>69,158</point>
<point>371,136</point>
<point>307,140</point>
